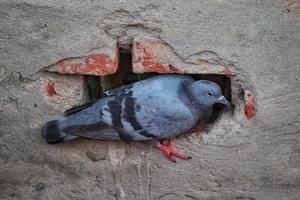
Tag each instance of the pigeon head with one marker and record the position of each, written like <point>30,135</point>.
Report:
<point>207,93</point>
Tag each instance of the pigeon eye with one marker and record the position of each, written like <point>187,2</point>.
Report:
<point>210,93</point>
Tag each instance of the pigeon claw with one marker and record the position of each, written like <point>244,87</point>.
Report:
<point>169,151</point>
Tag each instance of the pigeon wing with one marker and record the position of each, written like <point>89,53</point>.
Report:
<point>120,113</point>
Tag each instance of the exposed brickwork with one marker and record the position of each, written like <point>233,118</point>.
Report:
<point>95,64</point>
<point>48,88</point>
<point>250,108</point>
<point>150,54</point>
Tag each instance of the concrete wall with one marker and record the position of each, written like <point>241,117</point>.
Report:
<point>256,43</point>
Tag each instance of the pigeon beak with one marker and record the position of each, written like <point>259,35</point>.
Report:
<point>224,101</point>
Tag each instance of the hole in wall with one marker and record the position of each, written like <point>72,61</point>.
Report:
<point>91,85</point>
<point>117,79</point>
<point>124,76</point>
<point>96,86</point>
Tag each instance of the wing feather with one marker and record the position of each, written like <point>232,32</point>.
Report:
<point>120,113</point>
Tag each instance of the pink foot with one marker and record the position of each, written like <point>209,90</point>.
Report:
<point>169,151</point>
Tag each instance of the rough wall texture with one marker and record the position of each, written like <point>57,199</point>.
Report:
<point>235,159</point>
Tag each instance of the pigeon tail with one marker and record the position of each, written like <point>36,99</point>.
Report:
<point>53,134</point>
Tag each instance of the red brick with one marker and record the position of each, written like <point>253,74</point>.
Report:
<point>250,108</point>
<point>150,54</point>
<point>98,64</point>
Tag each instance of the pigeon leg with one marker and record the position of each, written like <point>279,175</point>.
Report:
<point>169,150</point>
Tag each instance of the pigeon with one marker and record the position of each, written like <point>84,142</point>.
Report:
<point>157,108</point>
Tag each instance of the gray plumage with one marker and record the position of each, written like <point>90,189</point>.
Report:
<point>156,108</point>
